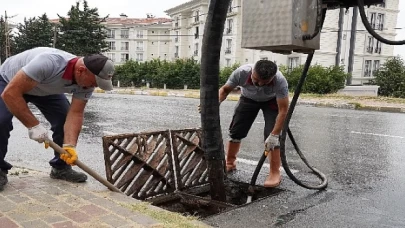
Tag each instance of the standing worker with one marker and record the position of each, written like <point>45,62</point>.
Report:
<point>263,87</point>
<point>41,76</point>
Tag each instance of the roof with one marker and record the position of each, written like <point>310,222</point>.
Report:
<point>191,3</point>
<point>130,21</point>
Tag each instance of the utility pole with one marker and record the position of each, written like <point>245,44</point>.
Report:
<point>6,33</point>
<point>55,32</point>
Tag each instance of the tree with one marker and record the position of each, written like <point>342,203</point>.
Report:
<point>391,78</point>
<point>34,32</point>
<point>82,32</point>
<point>210,122</point>
<point>3,40</point>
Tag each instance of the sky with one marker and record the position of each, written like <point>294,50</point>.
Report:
<point>138,8</point>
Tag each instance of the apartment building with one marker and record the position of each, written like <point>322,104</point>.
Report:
<point>139,39</point>
<point>344,40</point>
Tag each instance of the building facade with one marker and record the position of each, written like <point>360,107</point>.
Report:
<point>344,40</point>
<point>138,39</point>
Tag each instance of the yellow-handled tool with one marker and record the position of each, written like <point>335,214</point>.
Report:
<point>85,168</point>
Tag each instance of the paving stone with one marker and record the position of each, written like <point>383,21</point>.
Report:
<point>114,220</point>
<point>73,200</point>
<point>77,216</point>
<point>42,197</point>
<point>67,224</point>
<point>103,202</point>
<point>144,219</point>
<point>6,222</point>
<point>60,207</point>
<point>19,198</point>
<point>35,224</point>
<point>35,208</point>
<point>93,210</point>
<point>7,206</point>
<point>126,212</point>
<point>55,218</point>
<point>21,216</point>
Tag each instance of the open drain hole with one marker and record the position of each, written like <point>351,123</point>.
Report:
<point>197,201</point>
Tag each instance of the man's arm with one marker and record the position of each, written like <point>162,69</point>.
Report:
<point>224,92</point>
<point>283,104</point>
<point>74,121</point>
<point>14,100</point>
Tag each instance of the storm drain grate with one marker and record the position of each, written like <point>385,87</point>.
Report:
<point>145,165</point>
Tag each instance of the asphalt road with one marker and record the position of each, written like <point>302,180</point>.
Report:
<point>360,152</point>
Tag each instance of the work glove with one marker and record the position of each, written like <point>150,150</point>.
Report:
<point>271,142</point>
<point>70,156</point>
<point>38,133</point>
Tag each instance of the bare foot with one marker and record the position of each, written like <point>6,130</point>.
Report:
<point>273,180</point>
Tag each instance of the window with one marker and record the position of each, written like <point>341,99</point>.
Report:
<point>124,57</point>
<point>382,5</point>
<point>378,47</point>
<point>367,68</point>
<point>197,16</point>
<point>176,24</point>
<point>139,56</point>
<point>229,26</point>
<point>292,62</point>
<point>196,34</point>
<point>380,22</point>
<point>124,46</point>
<point>111,56</point>
<point>139,45</point>
<point>376,66</point>
<point>228,49</point>
<point>228,62</point>
<point>370,44</point>
<point>196,49</point>
<point>139,34</point>
<point>230,9</point>
<point>372,18</point>
<point>176,51</point>
<point>111,45</point>
<point>264,58</point>
<point>124,33</point>
<point>110,33</point>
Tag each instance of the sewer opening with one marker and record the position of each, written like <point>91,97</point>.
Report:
<point>197,201</point>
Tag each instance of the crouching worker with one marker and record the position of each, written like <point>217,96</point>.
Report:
<point>42,76</point>
<point>264,88</point>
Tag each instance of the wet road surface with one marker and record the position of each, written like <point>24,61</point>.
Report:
<point>360,152</point>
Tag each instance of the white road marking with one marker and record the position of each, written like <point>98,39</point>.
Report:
<point>381,135</point>
<point>254,163</point>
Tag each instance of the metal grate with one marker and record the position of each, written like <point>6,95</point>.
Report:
<point>149,164</point>
<point>191,167</point>
<point>140,165</point>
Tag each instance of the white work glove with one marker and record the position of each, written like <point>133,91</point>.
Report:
<point>38,133</point>
<point>271,142</point>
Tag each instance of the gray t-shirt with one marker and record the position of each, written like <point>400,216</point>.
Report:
<point>278,88</point>
<point>50,67</point>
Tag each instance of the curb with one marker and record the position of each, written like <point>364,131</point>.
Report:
<point>352,106</point>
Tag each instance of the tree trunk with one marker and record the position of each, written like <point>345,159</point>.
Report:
<point>210,121</point>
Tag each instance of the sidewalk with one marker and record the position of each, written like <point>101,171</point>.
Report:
<point>33,199</point>
<point>382,104</point>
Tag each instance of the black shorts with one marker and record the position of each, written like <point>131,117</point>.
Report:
<point>245,114</point>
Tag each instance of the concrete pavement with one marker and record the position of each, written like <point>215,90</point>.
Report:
<point>33,199</point>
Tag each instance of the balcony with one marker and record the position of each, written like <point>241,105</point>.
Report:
<point>176,55</point>
<point>176,25</point>
<point>139,48</point>
<point>228,51</point>
<point>139,36</point>
<point>176,39</point>
<point>196,35</point>
<point>111,36</point>
<point>380,27</point>
<point>113,48</point>
<point>124,36</point>
<point>228,31</point>
<point>367,73</point>
<point>124,48</point>
<point>196,53</point>
<point>369,49</point>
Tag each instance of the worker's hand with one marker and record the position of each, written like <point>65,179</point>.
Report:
<point>70,156</point>
<point>271,142</point>
<point>38,133</point>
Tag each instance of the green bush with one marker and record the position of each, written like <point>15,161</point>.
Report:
<point>158,72</point>
<point>320,80</point>
<point>391,78</point>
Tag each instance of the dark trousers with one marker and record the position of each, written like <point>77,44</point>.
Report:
<point>53,107</point>
<point>245,114</point>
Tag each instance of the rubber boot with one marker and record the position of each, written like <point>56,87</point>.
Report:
<point>232,150</point>
<point>274,178</point>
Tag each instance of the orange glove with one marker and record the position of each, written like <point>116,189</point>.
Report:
<point>70,156</point>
